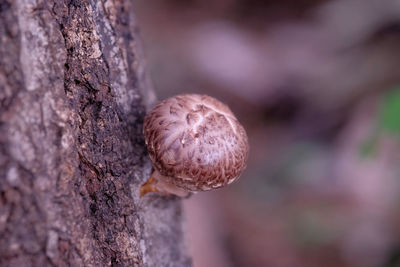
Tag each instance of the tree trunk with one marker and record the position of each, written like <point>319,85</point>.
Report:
<point>73,94</point>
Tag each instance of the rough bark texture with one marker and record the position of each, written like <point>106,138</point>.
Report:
<point>72,99</point>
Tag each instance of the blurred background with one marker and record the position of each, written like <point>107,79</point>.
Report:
<point>316,83</point>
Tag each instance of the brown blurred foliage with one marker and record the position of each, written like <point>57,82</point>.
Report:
<point>316,84</point>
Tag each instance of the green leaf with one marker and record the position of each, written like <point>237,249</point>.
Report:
<point>369,146</point>
<point>390,112</point>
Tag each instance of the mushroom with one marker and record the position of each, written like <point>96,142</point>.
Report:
<point>195,144</point>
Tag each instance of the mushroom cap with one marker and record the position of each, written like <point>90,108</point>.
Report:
<point>196,142</point>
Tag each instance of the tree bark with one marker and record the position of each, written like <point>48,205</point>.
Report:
<point>73,94</point>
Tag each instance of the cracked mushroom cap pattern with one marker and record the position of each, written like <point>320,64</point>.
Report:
<point>196,142</point>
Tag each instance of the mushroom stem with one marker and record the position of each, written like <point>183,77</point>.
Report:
<point>156,184</point>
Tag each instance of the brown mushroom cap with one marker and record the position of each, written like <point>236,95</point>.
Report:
<point>196,142</point>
